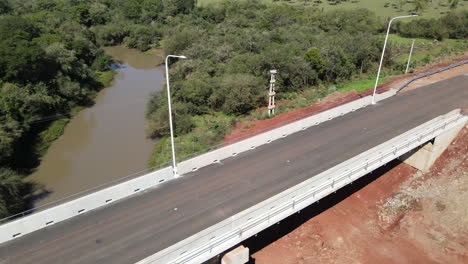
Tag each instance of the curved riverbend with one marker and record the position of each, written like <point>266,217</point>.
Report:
<point>106,141</point>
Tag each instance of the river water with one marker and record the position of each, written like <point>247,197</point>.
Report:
<point>106,141</point>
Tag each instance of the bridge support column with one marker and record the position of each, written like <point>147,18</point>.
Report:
<point>423,157</point>
<point>239,255</point>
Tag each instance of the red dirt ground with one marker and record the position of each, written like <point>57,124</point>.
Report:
<point>404,216</point>
<point>250,128</point>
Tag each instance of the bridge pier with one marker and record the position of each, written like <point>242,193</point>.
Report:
<point>239,255</point>
<point>423,157</point>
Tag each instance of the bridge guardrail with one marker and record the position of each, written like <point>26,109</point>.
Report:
<point>103,197</point>
<point>220,237</point>
<point>430,73</point>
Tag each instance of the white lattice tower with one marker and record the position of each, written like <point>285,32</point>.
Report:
<point>271,93</point>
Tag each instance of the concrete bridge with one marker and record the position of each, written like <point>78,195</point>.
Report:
<point>232,193</point>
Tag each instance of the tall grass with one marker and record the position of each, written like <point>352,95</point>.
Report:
<point>49,135</point>
<point>106,78</point>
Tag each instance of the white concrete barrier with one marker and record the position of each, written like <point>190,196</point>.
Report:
<point>36,221</point>
<point>81,205</point>
<point>383,96</point>
<point>222,236</point>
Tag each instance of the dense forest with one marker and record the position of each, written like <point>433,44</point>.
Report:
<point>52,63</point>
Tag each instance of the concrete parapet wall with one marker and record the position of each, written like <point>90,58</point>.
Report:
<point>42,219</point>
<point>383,96</point>
<point>218,238</point>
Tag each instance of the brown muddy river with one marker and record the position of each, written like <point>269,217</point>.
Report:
<point>106,141</point>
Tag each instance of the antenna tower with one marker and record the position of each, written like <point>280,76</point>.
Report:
<point>271,93</point>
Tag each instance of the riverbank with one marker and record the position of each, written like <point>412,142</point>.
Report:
<point>35,146</point>
<point>84,149</point>
<point>56,128</point>
<point>36,136</point>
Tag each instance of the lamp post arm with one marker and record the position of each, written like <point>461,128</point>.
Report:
<point>383,54</point>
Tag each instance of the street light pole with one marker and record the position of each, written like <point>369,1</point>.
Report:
<point>383,53</point>
<point>174,166</point>
<point>409,57</point>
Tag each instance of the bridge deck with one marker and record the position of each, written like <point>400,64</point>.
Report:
<point>132,229</point>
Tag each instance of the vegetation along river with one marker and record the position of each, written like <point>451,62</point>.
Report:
<point>106,141</point>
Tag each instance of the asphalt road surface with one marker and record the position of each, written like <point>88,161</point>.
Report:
<point>129,230</point>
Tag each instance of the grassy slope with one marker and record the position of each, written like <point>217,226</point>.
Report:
<point>362,85</point>
<point>378,6</point>
<point>426,49</point>
<point>209,131</point>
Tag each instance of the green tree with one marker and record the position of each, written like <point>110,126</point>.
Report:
<point>158,117</point>
<point>175,43</point>
<point>420,5</point>
<point>338,67</point>
<point>456,24</point>
<point>110,34</point>
<point>453,4</point>
<point>401,4</point>
<point>174,7</point>
<point>13,193</point>
<point>10,132</point>
<point>102,62</point>
<point>99,14</point>
<point>48,5</point>
<point>157,124</point>
<point>4,7</point>
<point>243,92</point>
<point>349,21</point>
<point>196,91</point>
<point>315,59</point>
<point>21,59</point>
<point>152,9</point>
<point>131,9</point>
<point>141,37</point>
<point>81,14</point>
